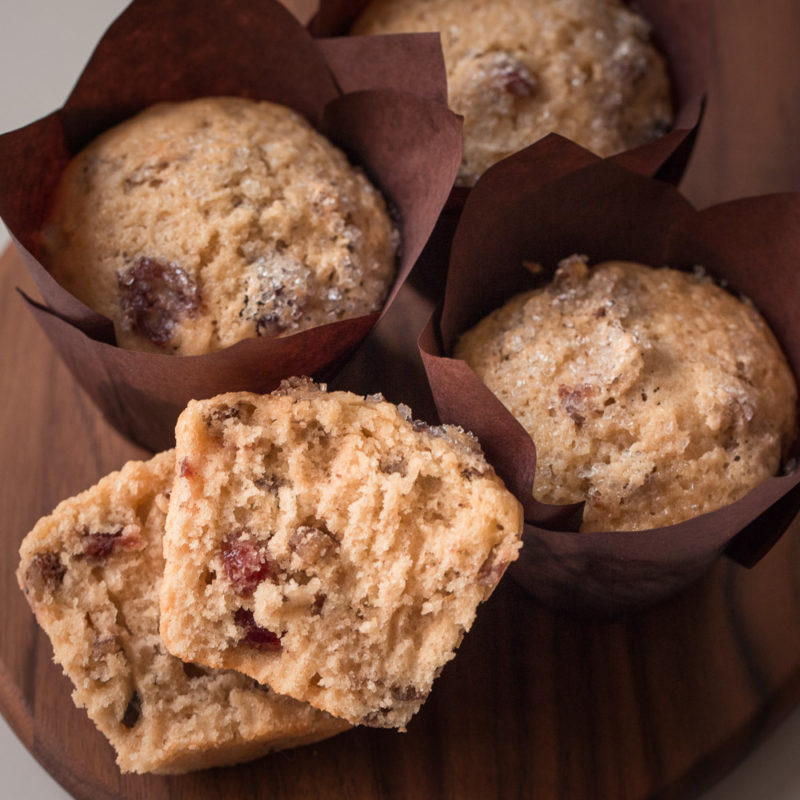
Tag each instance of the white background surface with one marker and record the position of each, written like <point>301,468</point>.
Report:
<point>43,47</point>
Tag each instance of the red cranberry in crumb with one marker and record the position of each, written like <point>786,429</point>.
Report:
<point>255,635</point>
<point>186,470</point>
<point>155,296</point>
<point>512,76</point>
<point>246,563</point>
<point>98,546</point>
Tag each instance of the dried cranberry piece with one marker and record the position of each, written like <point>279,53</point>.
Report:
<point>155,296</point>
<point>255,635</point>
<point>246,563</point>
<point>98,546</point>
<point>186,470</point>
<point>516,82</point>
<point>512,76</point>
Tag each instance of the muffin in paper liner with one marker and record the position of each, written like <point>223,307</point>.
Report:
<point>520,211</point>
<point>681,30</point>
<point>371,101</point>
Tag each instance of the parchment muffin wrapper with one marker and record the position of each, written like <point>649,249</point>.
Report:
<point>520,210</point>
<point>380,99</point>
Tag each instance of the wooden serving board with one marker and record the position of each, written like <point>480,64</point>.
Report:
<point>655,706</point>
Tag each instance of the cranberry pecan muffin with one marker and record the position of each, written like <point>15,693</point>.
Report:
<point>652,394</point>
<point>327,545</point>
<point>195,225</point>
<point>520,69</point>
<point>91,572</point>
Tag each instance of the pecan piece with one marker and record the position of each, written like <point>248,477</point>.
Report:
<point>105,646</point>
<point>393,464</point>
<point>312,544</point>
<point>45,572</point>
<point>492,570</point>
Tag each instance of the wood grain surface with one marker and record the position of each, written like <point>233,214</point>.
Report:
<point>657,705</point>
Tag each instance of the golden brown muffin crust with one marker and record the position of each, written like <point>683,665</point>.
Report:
<point>195,225</point>
<point>520,69</point>
<point>653,394</point>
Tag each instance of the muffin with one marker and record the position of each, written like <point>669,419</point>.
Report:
<point>195,225</point>
<point>652,394</point>
<point>520,69</point>
<point>327,545</point>
<point>91,571</point>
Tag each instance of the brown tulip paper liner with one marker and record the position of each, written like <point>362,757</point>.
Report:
<point>681,30</point>
<point>516,213</point>
<point>408,143</point>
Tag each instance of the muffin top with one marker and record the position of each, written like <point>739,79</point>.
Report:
<point>520,69</point>
<point>652,394</point>
<point>195,225</point>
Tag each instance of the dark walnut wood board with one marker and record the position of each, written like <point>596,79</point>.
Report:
<point>658,705</point>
